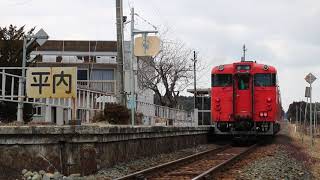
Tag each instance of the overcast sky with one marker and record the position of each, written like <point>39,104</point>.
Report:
<point>282,33</point>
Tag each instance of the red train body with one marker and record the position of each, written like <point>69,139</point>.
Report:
<point>245,99</point>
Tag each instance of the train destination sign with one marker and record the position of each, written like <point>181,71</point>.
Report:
<point>51,82</point>
<point>310,78</point>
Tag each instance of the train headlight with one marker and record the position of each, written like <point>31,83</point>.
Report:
<point>261,114</point>
<point>265,114</point>
<point>221,67</point>
<point>269,100</point>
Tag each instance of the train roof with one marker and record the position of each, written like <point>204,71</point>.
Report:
<point>255,68</point>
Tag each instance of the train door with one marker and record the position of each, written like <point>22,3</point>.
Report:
<point>243,96</point>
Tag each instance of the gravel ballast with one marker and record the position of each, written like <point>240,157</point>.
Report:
<point>280,165</point>
<point>277,159</point>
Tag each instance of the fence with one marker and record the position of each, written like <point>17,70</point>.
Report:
<point>89,102</point>
<point>107,86</point>
<point>161,115</point>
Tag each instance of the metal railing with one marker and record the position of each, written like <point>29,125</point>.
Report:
<point>9,83</point>
<point>89,102</point>
<point>107,86</point>
<point>165,116</point>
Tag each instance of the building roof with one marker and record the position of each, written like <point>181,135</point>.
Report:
<point>80,46</point>
<point>231,68</point>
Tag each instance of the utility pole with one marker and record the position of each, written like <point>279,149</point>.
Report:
<point>132,79</point>
<point>316,120</point>
<point>120,54</point>
<point>310,78</point>
<point>132,75</point>
<point>305,114</point>
<point>296,115</point>
<point>299,122</point>
<point>194,79</point>
<point>21,81</point>
<point>311,124</point>
<point>314,117</point>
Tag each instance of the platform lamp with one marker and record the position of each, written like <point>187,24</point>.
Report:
<point>40,37</point>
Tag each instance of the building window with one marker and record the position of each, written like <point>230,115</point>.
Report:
<point>37,110</point>
<point>82,74</point>
<point>102,74</point>
<point>49,58</point>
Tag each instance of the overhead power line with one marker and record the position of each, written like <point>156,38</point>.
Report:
<point>146,21</point>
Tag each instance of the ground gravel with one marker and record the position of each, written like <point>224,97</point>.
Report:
<point>280,165</point>
<point>279,159</point>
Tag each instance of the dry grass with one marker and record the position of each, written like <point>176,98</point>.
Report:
<point>304,142</point>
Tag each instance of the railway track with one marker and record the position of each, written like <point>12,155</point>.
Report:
<point>197,166</point>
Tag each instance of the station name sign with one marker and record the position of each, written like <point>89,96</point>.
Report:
<point>51,82</point>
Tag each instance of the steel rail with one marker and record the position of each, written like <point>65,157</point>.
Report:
<point>223,164</point>
<point>141,174</point>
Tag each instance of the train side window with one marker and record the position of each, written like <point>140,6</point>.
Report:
<point>264,80</point>
<point>221,80</point>
<point>243,82</point>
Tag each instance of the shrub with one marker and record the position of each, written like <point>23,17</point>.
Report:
<point>117,114</point>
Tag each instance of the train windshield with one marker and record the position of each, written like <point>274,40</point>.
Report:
<point>243,81</point>
<point>263,80</point>
<point>221,80</point>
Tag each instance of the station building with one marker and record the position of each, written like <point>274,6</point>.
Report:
<point>203,105</point>
<point>96,63</point>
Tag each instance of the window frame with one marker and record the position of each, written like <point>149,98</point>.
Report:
<point>213,84</point>
<point>273,80</point>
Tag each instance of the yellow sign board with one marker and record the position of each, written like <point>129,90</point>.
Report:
<point>51,82</point>
<point>149,46</point>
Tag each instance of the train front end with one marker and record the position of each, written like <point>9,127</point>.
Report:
<point>245,99</point>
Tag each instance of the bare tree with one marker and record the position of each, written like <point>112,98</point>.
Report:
<point>11,39</point>
<point>168,73</point>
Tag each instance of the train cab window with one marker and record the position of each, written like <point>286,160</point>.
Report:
<point>263,80</point>
<point>221,80</point>
<point>243,82</point>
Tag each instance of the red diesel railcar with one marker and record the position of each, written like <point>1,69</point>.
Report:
<point>245,99</point>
